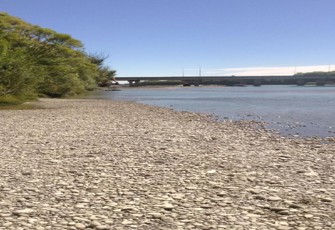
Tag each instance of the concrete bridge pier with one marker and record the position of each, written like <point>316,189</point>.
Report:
<point>133,83</point>
<point>320,83</point>
<point>196,82</point>
<point>257,82</point>
<point>186,83</point>
<point>191,82</point>
<point>301,82</point>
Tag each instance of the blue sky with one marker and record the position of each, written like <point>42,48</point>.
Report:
<point>161,37</point>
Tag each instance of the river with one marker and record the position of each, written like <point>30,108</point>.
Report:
<point>307,111</point>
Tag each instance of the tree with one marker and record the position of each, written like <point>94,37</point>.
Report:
<point>105,73</point>
<point>40,61</point>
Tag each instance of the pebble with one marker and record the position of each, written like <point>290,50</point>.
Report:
<point>327,199</point>
<point>23,211</point>
<point>295,206</point>
<point>308,216</point>
<point>284,212</point>
<point>80,226</point>
<point>156,215</point>
<point>126,222</point>
<point>95,223</point>
<point>278,209</point>
<point>274,198</point>
<point>167,206</point>
<point>99,164</point>
<point>102,227</point>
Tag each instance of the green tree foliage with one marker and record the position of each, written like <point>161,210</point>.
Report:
<point>39,61</point>
<point>106,74</point>
<point>317,73</point>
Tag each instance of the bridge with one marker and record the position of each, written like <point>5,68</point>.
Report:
<point>238,80</point>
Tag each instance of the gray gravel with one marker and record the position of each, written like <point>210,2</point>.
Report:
<point>98,164</point>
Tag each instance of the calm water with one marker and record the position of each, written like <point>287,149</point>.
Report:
<point>290,110</point>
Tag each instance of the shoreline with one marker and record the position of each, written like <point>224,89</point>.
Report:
<point>104,164</point>
<point>302,120</point>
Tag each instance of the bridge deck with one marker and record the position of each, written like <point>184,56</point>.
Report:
<point>272,77</point>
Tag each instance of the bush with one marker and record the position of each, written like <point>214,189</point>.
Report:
<point>10,100</point>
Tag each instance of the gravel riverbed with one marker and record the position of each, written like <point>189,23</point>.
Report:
<point>101,164</point>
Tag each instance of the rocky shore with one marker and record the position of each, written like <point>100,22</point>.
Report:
<point>99,164</point>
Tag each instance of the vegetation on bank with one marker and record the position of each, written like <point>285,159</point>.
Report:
<point>36,61</point>
<point>317,73</point>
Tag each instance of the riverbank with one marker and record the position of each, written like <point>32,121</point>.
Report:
<point>101,164</point>
<point>288,110</point>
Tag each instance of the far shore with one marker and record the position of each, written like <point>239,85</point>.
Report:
<point>103,164</point>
